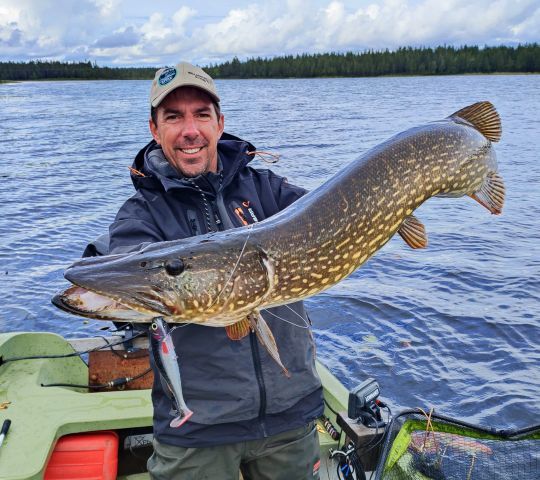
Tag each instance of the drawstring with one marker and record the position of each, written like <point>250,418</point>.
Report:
<point>136,172</point>
<point>199,189</point>
<point>205,201</point>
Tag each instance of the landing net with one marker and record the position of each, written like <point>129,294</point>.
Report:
<point>420,446</point>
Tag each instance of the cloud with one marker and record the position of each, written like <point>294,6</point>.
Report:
<point>50,28</point>
<point>335,26</point>
<point>108,8</point>
<point>161,40</point>
<point>10,35</point>
<point>123,38</point>
<point>99,29</point>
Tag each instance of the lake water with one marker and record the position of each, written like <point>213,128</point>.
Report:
<point>454,326</point>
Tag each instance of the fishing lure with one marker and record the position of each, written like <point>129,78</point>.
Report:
<point>166,362</point>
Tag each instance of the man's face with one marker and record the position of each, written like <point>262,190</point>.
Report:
<point>188,130</point>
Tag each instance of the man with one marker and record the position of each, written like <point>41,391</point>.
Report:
<point>190,180</point>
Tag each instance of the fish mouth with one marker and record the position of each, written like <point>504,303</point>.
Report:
<point>89,303</point>
<point>81,301</point>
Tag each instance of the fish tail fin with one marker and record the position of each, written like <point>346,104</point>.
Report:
<point>484,117</point>
<point>265,336</point>
<point>491,193</point>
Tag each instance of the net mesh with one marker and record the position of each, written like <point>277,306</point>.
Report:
<point>419,446</point>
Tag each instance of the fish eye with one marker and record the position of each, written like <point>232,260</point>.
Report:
<point>174,267</point>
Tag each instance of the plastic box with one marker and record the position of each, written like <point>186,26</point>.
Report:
<point>84,456</point>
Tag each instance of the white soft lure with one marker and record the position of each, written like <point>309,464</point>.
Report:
<point>167,364</point>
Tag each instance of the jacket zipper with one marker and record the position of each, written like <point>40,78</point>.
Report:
<point>222,210</point>
<point>260,381</point>
<point>226,224</point>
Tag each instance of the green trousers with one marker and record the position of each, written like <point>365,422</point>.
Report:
<point>292,455</point>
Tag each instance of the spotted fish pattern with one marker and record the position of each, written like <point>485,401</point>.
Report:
<point>224,279</point>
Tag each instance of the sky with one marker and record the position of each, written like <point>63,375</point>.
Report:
<point>163,32</point>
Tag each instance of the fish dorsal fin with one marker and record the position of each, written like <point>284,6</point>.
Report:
<point>238,330</point>
<point>413,232</point>
<point>484,117</point>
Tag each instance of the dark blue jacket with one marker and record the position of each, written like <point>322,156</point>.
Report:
<point>235,389</point>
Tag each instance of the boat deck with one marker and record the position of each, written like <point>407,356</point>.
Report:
<point>40,415</point>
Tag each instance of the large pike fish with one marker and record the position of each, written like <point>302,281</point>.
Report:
<point>225,279</point>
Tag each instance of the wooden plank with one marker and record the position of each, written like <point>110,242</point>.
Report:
<point>114,362</point>
<point>107,366</point>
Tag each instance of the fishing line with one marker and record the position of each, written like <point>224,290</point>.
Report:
<point>234,268</point>
<point>304,320</point>
<point>181,325</point>
<point>116,352</point>
<point>288,321</point>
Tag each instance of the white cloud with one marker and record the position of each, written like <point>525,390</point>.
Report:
<point>100,30</point>
<point>180,17</point>
<point>50,28</point>
<point>108,8</point>
<point>125,37</point>
<point>155,28</point>
<point>394,23</point>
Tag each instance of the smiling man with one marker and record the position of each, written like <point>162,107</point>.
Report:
<point>193,179</point>
<point>187,125</point>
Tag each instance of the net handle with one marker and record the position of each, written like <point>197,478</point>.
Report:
<point>505,433</point>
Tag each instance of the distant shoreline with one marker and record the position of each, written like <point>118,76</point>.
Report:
<point>407,61</point>
<point>273,78</point>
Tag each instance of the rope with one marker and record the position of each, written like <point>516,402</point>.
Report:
<point>429,425</point>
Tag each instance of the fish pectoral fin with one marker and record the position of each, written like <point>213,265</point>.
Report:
<point>491,193</point>
<point>413,232</point>
<point>484,117</point>
<point>265,336</point>
<point>238,330</point>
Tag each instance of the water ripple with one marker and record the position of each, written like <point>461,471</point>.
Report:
<point>454,326</point>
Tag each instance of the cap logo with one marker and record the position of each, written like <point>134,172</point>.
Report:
<point>199,77</point>
<point>166,76</point>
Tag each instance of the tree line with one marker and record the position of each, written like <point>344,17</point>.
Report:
<point>55,70</point>
<point>404,61</point>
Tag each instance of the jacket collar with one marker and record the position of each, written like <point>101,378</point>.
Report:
<point>156,173</point>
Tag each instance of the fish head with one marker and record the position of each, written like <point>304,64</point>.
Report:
<point>200,280</point>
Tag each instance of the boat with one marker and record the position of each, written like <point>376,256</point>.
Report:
<point>81,409</point>
<point>60,425</point>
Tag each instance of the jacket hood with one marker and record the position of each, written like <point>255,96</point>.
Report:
<point>151,170</point>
